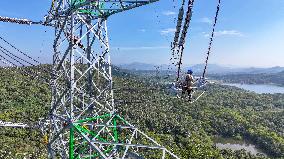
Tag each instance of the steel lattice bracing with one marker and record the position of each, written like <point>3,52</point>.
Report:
<point>82,82</point>
<point>83,122</point>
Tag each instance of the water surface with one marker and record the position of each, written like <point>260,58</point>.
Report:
<point>229,143</point>
<point>258,88</point>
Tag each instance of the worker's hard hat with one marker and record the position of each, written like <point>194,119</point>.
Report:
<point>189,71</point>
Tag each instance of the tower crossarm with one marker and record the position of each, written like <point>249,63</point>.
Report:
<point>22,21</point>
<point>95,8</point>
<point>10,124</point>
<point>116,6</point>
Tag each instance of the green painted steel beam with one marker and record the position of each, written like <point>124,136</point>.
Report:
<point>104,8</point>
<point>93,118</point>
<point>79,127</point>
<point>115,129</point>
<point>86,131</point>
<point>71,143</point>
<point>97,12</point>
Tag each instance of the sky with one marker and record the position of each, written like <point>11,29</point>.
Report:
<point>249,33</point>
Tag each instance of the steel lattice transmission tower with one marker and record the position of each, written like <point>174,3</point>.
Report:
<point>83,122</point>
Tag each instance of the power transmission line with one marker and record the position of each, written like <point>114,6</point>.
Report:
<point>28,73</point>
<point>25,54</point>
<point>19,50</point>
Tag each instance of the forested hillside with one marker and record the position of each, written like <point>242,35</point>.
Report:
<point>187,129</point>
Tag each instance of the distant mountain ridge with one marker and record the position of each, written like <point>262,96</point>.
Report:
<point>245,78</point>
<point>142,66</point>
<point>198,68</point>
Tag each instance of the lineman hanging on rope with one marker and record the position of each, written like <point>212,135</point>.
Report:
<point>188,85</point>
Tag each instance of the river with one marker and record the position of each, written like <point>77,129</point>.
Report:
<point>258,88</point>
<point>229,143</point>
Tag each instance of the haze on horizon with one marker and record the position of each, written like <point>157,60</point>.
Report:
<point>249,33</point>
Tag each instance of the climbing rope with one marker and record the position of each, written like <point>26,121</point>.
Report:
<point>211,39</point>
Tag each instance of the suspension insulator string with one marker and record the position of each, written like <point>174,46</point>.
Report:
<point>178,26</point>
<point>183,36</point>
<point>211,39</point>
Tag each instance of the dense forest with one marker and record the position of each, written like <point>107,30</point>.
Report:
<point>264,78</point>
<point>187,129</point>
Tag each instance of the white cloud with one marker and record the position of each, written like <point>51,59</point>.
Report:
<point>234,33</point>
<point>142,30</point>
<point>167,31</point>
<point>168,13</point>
<point>205,20</point>
<point>142,48</point>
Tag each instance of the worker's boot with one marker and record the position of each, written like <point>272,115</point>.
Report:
<point>190,98</point>
<point>182,94</point>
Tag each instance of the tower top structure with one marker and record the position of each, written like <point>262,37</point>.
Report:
<point>94,8</point>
